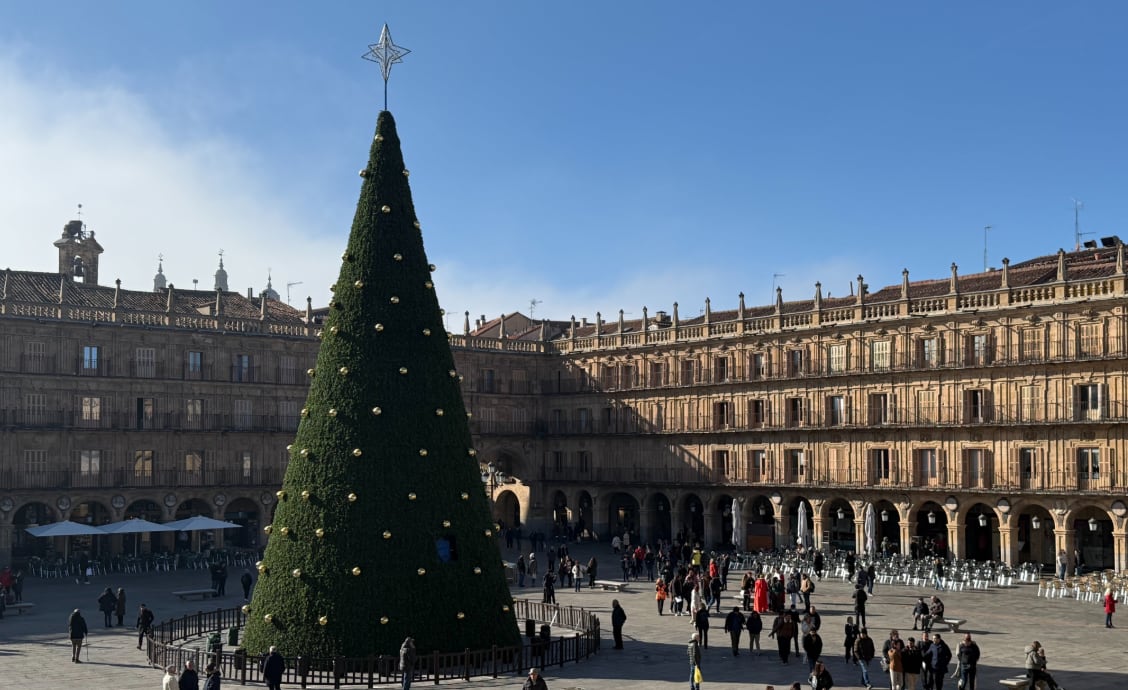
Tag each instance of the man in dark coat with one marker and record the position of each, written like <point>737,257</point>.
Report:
<point>734,626</point>
<point>701,624</point>
<point>592,565</point>
<point>76,630</point>
<point>860,598</point>
<point>938,657</point>
<point>189,679</point>
<point>812,647</point>
<point>535,681</point>
<point>407,657</point>
<point>618,617</point>
<point>246,580</point>
<point>144,624</point>
<point>968,656</point>
<point>693,652</point>
<point>273,666</point>
<point>107,602</point>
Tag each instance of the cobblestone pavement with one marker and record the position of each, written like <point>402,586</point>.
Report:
<point>1083,654</point>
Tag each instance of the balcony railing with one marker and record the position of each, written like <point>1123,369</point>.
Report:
<point>128,477</point>
<point>168,421</point>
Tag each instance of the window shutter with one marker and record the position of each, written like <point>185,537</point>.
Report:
<point>893,416</point>
<point>1104,400</point>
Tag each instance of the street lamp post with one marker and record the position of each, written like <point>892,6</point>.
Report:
<point>492,478</point>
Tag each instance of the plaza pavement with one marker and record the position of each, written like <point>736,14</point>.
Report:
<point>1083,654</point>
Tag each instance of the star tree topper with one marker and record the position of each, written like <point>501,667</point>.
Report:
<point>387,54</point>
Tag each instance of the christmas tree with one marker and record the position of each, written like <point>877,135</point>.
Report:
<point>382,528</point>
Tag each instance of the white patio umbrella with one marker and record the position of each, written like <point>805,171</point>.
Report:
<point>738,538</point>
<point>65,528</point>
<point>198,523</point>
<point>134,526</point>
<point>870,529</point>
<point>801,529</point>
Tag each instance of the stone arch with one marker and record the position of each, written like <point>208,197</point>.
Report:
<point>838,523</point>
<point>1092,527</point>
<point>95,513</point>
<point>245,512</point>
<point>623,517</point>
<point>507,507</point>
<point>981,533</point>
<point>585,527</point>
<point>888,526</point>
<point>792,539</point>
<point>194,541</point>
<point>721,517</point>
<point>1035,535</point>
<point>147,542</point>
<point>29,514</point>
<point>561,514</point>
<point>658,507</point>
<point>931,536</point>
<point>692,513</point>
<point>760,514</point>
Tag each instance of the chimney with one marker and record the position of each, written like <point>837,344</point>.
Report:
<point>250,293</point>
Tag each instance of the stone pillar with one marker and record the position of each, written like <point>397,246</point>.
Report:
<point>646,525</point>
<point>599,522</point>
<point>907,526</point>
<point>7,533</point>
<point>1008,544</point>
<point>780,529</point>
<point>956,538</point>
<point>859,533</point>
<point>1119,545</point>
<point>817,530</point>
<point>1064,539</point>
<point>711,536</point>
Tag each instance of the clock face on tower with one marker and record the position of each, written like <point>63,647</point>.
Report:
<point>6,504</point>
<point>170,500</point>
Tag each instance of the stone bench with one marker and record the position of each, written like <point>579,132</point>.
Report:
<point>610,584</point>
<point>202,593</point>
<point>954,624</point>
<point>20,606</point>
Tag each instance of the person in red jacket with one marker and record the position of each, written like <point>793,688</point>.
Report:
<point>1110,606</point>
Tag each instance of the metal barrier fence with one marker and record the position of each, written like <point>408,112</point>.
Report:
<point>166,646</point>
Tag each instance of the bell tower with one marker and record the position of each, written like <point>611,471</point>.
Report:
<point>78,253</point>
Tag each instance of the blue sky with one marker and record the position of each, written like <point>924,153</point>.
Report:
<point>593,156</point>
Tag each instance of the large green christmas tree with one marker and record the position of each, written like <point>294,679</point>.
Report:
<point>382,527</point>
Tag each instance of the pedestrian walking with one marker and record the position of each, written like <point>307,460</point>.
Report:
<point>863,652</point>
<point>693,651</point>
<point>273,666</point>
<point>189,679</point>
<point>755,626</point>
<point>407,656</point>
<point>77,631</point>
<point>783,629</point>
<point>938,658</point>
<point>701,623</point>
<point>107,603</point>
<point>860,598</point>
<point>968,657</point>
<point>535,681</point>
<point>850,632</point>
<point>144,623</point>
<point>734,626</point>
<point>910,664</point>
<point>812,648</point>
<point>246,580</point>
<point>660,594</point>
<point>820,677</point>
<point>618,618</point>
<point>119,606</point>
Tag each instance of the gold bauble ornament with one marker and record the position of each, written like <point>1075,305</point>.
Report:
<point>304,452</point>
<point>489,533</point>
<point>403,370</point>
<point>261,568</point>
<point>305,495</point>
<point>505,608</point>
<point>446,523</point>
<point>439,412</point>
<point>358,284</point>
<point>351,498</point>
<point>461,379</point>
<point>297,572</point>
<point>320,533</point>
<point>468,414</point>
<point>477,570</point>
<point>422,452</point>
<point>379,327</point>
<point>426,331</point>
<point>379,137</point>
<point>377,411</point>
<point>417,225</point>
<point>356,570</point>
<point>431,268</point>
<point>281,494</point>
<point>357,452</point>
<point>333,288</point>
<point>394,300</point>
<point>334,330</point>
<point>268,529</point>
<point>305,413</point>
<point>452,373</point>
<point>332,412</point>
<point>346,257</point>
<point>268,618</point>
<point>310,372</point>
<point>385,209</point>
<point>429,285</point>
<point>363,173</point>
<point>406,173</point>
<point>246,609</point>
<point>411,496</point>
<point>383,620</point>
<point>289,446</point>
<point>285,531</point>
<point>397,257</point>
<point>421,571</point>
<point>461,615</point>
<point>387,534</point>
<point>465,496</point>
<point>472,453</point>
<point>343,371</point>
<point>324,620</point>
<point>442,312</point>
<point>258,564</point>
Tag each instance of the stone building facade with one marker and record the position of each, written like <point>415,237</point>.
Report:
<point>983,413</point>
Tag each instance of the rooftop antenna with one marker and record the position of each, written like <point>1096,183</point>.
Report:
<point>288,286</point>
<point>195,283</point>
<point>774,276</point>
<point>1077,234</point>
<point>986,229</point>
<point>533,305</point>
